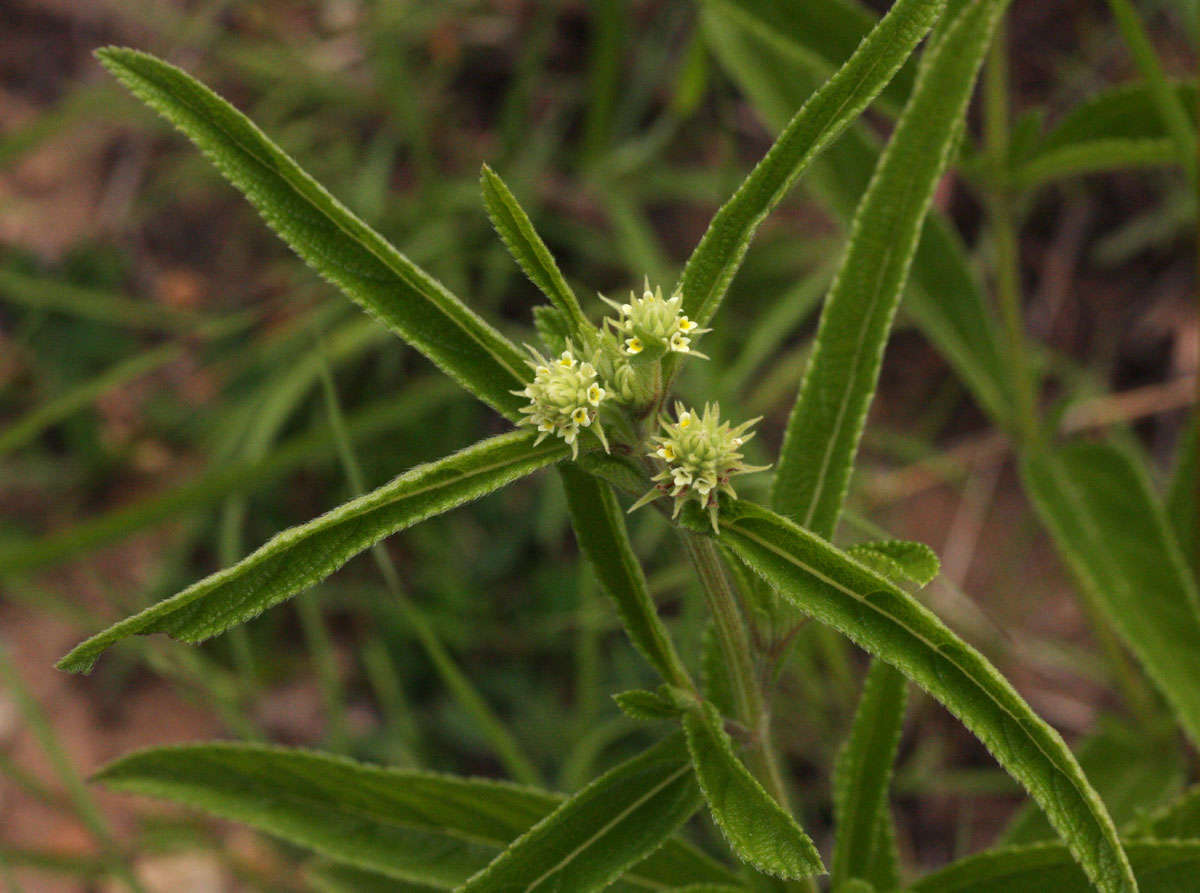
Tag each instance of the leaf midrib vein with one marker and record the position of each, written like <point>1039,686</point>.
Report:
<point>388,262</point>
<point>804,566</point>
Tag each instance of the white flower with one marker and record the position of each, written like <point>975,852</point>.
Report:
<point>564,397</point>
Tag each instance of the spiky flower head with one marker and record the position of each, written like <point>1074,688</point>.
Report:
<point>701,454</point>
<point>650,327</point>
<point>564,397</point>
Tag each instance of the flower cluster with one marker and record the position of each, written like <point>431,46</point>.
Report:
<point>701,454</point>
<point>564,397</point>
<point>652,327</point>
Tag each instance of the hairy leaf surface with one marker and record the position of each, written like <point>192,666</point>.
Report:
<point>411,825</point>
<point>297,558</point>
<point>904,559</point>
<point>833,588</point>
<point>599,832</point>
<point>1111,531</point>
<point>526,246</point>
<point>944,295</point>
<point>823,117</point>
<point>759,830</point>
<point>1132,771</point>
<point>327,235</point>
<point>843,369</point>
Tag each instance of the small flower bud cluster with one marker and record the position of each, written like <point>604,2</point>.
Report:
<point>701,453</point>
<point>564,397</point>
<point>652,327</point>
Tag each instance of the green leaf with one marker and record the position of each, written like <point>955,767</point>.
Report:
<point>1183,497</point>
<point>297,558</point>
<point>759,830</point>
<point>333,241</point>
<point>599,527</point>
<point>813,472</point>
<point>823,117</point>
<point>944,295</point>
<point>527,248</point>
<point>822,33</point>
<point>1132,771</point>
<point>409,825</point>
<point>596,834</point>
<point>1112,533</point>
<point>640,704</point>
<point>1095,156</point>
<point>1047,868</point>
<point>862,776</point>
<point>904,559</point>
<point>1116,129</point>
<point>833,588</point>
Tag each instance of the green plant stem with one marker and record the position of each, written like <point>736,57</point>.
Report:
<point>1004,234</point>
<point>734,641</point>
<point>81,801</point>
<point>507,749</point>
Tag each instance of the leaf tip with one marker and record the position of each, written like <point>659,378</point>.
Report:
<point>80,659</point>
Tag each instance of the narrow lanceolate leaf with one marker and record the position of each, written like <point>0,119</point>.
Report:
<point>944,296</point>
<point>600,529</point>
<point>595,835</point>
<point>1118,128</point>
<point>822,118</point>
<point>1111,531</point>
<point>298,558</point>
<point>903,559</point>
<point>828,585</point>
<point>862,776</point>
<point>844,367</point>
<point>408,825</point>
<point>821,33</point>
<point>1133,772</point>
<point>1047,868</point>
<point>331,239</point>
<point>527,248</point>
<point>759,830</point>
